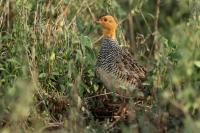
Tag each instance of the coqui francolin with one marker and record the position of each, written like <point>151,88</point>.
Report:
<point>116,67</point>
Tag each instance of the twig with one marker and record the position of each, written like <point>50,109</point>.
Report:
<point>123,113</point>
<point>91,13</point>
<point>122,20</point>
<point>77,12</point>
<point>52,125</point>
<point>131,26</point>
<point>96,41</point>
<point>156,46</point>
<point>99,95</point>
<point>148,27</point>
<point>113,123</point>
<point>157,15</point>
<point>109,93</point>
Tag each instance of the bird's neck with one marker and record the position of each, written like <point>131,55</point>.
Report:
<point>109,33</point>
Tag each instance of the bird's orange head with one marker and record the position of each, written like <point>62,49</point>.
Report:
<point>109,26</point>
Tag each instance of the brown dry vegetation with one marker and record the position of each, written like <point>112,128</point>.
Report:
<point>48,51</point>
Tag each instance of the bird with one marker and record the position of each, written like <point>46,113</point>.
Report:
<point>115,67</point>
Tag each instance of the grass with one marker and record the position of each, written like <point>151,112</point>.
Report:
<point>48,51</point>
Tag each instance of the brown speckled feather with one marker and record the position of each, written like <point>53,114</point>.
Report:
<point>117,68</point>
<point>130,70</point>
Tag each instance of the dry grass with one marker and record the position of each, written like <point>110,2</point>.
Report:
<point>48,52</point>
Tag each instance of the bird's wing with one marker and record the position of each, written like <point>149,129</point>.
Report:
<point>127,69</point>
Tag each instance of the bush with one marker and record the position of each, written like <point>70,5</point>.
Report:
<point>48,54</point>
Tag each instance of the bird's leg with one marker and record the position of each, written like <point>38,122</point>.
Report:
<point>123,108</point>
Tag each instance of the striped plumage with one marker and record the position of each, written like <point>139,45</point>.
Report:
<point>116,67</point>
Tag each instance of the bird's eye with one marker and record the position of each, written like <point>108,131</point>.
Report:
<point>105,19</point>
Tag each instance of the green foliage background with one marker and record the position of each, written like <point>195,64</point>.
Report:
<point>48,52</point>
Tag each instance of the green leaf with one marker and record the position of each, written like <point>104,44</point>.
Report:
<point>42,75</point>
<point>55,73</point>
<point>90,54</point>
<point>151,15</point>
<point>89,29</point>
<point>79,23</point>
<point>53,56</point>
<point>197,63</point>
<point>85,40</point>
<point>13,60</point>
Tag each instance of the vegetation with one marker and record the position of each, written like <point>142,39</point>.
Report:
<point>48,51</point>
